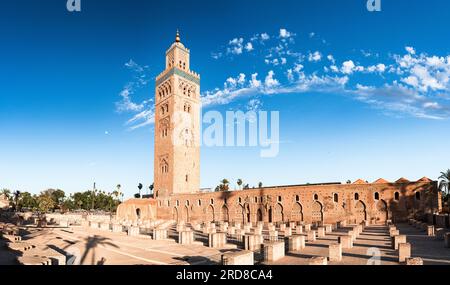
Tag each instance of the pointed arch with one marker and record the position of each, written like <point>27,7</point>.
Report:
<point>360,212</point>
<point>277,213</point>
<point>382,213</point>
<point>297,213</point>
<point>259,216</point>
<point>210,213</point>
<point>175,214</point>
<point>186,217</point>
<point>317,212</point>
<point>239,214</point>
<point>224,216</point>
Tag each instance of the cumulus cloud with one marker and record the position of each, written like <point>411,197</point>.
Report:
<point>410,50</point>
<point>410,83</point>
<point>265,37</point>
<point>270,81</point>
<point>316,56</point>
<point>249,47</point>
<point>285,34</point>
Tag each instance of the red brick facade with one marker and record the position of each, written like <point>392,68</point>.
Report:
<point>330,203</point>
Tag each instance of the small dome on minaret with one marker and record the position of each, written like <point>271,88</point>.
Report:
<point>177,37</point>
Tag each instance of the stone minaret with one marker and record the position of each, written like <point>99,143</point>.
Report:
<point>177,125</point>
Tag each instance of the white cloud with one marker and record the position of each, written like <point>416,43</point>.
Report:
<point>254,105</point>
<point>142,119</point>
<point>236,46</point>
<point>411,83</point>
<point>254,82</point>
<point>376,68</point>
<point>290,75</point>
<point>270,81</point>
<point>316,56</point>
<point>216,55</point>
<point>410,50</point>
<point>249,47</point>
<point>334,68</point>
<point>331,58</point>
<point>298,67</point>
<point>241,79</point>
<point>431,105</point>
<point>348,67</point>
<point>284,34</point>
<point>265,37</point>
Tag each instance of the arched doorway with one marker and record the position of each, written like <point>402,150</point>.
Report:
<point>297,213</point>
<point>259,215</point>
<point>224,217</point>
<point>175,214</point>
<point>382,212</point>
<point>278,215</point>
<point>186,214</point>
<point>210,214</point>
<point>360,212</point>
<point>239,214</point>
<point>270,215</point>
<point>317,213</point>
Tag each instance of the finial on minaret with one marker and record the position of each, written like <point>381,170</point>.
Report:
<point>177,38</point>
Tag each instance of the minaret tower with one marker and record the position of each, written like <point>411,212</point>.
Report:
<point>177,125</point>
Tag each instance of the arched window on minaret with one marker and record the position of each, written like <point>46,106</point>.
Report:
<point>164,166</point>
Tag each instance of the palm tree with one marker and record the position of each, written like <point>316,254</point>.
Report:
<point>239,183</point>
<point>445,181</point>
<point>16,199</point>
<point>140,186</point>
<point>6,193</point>
<point>151,187</point>
<point>225,185</point>
<point>260,185</point>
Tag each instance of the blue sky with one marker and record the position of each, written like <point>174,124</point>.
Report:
<point>360,95</point>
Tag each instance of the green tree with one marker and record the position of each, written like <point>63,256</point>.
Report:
<point>45,203</point>
<point>260,185</point>
<point>28,201</point>
<point>57,196</point>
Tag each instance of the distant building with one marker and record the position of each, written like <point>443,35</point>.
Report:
<point>4,202</point>
<point>177,174</point>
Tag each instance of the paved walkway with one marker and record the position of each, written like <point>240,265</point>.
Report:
<point>94,246</point>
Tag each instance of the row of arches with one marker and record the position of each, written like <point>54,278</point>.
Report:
<point>187,89</point>
<point>164,90</point>
<point>277,213</point>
